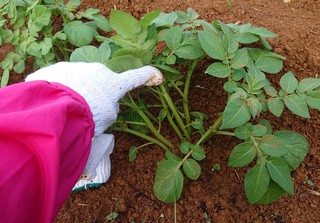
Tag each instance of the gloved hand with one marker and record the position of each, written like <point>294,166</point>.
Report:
<point>102,89</point>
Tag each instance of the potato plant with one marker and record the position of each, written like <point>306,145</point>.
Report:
<point>27,26</point>
<point>188,40</point>
<point>240,54</point>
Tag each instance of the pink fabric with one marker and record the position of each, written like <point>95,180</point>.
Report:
<point>45,140</point>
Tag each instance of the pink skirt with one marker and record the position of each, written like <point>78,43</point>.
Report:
<point>45,140</point>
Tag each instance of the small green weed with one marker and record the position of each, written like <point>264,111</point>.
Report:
<point>216,167</point>
<point>112,217</point>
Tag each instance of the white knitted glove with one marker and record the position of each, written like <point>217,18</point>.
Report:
<point>102,89</point>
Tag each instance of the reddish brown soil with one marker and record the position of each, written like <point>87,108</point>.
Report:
<point>220,194</point>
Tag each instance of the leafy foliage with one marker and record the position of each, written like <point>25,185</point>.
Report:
<point>170,41</point>
<point>27,25</point>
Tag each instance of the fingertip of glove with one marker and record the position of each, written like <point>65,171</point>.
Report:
<point>156,78</point>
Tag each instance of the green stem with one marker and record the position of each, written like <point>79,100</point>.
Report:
<point>174,111</point>
<point>151,116</point>
<point>225,133</point>
<point>209,133</point>
<point>191,68</point>
<point>144,136</point>
<point>149,124</point>
<point>172,123</point>
<point>177,88</point>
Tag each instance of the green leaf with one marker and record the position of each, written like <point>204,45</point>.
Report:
<point>46,46</point>
<point>212,45</point>
<point>275,106</point>
<point>192,169</point>
<point>255,107</point>
<point>229,86</point>
<point>271,91</point>
<point>242,154</point>
<point>192,14</point>
<point>265,123</point>
<point>198,153</point>
<point>272,145</point>
<point>259,130</point>
<point>102,22</point>
<point>230,42</point>
<point>166,70</point>
<point>242,132</point>
<point>173,37</point>
<point>208,27</point>
<point>133,152</point>
<point>192,50</point>
<point>239,74</point>
<point>171,59</point>
<point>308,84</point>
<point>84,54</point>
<point>296,145</point>
<point>247,38</point>
<point>124,63</point>
<point>265,44</point>
<point>78,33</point>
<point>20,67</point>
<point>255,79</point>
<point>263,32</point>
<point>171,156</point>
<point>199,115</point>
<point>165,19</point>
<point>218,69</point>
<point>88,13</point>
<point>240,59</point>
<point>267,63</point>
<point>5,78</point>
<point>197,124</point>
<point>60,35</point>
<point>256,183</point>
<point>297,105</point>
<point>289,82</point>
<point>236,113</point>
<point>40,16</point>
<point>103,53</point>
<point>168,181</point>
<point>313,100</point>
<point>148,18</point>
<point>162,114</point>
<point>273,193</point>
<point>144,55</point>
<point>124,24</point>
<point>184,147</point>
<point>72,5</point>
<point>34,49</point>
<point>111,217</point>
<point>280,173</point>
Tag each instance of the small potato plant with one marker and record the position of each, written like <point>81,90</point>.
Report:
<point>240,54</point>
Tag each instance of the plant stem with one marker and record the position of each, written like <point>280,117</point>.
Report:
<point>149,123</point>
<point>151,116</point>
<point>174,111</point>
<point>144,136</point>
<point>172,123</point>
<point>225,133</point>
<point>186,93</point>
<point>211,131</point>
